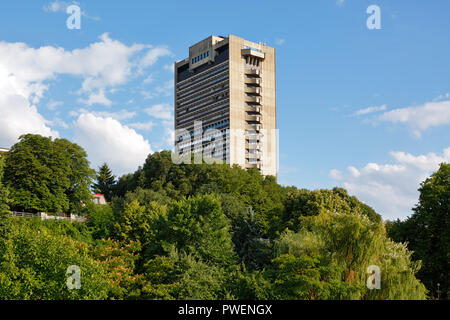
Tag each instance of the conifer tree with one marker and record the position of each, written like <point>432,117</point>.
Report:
<point>105,182</point>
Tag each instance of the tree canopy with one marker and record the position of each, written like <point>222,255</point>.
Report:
<point>427,231</point>
<point>199,231</point>
<point>47,175</point>
<point>105,182</point>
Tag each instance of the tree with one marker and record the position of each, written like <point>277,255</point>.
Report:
<point>303,203</point>
<point>4,200</point>
<point>34,262</point>
<point>427,231</point>
<point>196,226</point>
<point>100,221</point>
<point>179,275</point>
<point>48,175</point>
<point>254,251</point>
<point>105,182</point>
<point>329,256</point>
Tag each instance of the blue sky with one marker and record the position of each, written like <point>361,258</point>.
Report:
<point>368,110</point>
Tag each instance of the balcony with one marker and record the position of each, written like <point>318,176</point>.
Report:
<point>254,126</point>
<point>253,108</point>
<point>250,155</point>
<point>254,81</point>
<point>253,72</point>
<point>253,100</point>
<point>252,53</point>
<point>253,90</point>
<point>252,165</point>
<point>253,117</point>
<point>251,145</point>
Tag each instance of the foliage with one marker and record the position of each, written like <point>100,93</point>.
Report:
<point>46,175</point>
<point>105,182</point>
<point>4,201</point>
<point>198,231</point>
<point>253,250</point>
<point>198,227</point>
<point>119,259</point>
<point>301,203</point>
<point>179,275</point>
<point>427,231</point>
<point>334,250</point>
<point>100,221</point>
<point>34,261</point>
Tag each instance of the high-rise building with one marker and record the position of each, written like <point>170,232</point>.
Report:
<point>225,103</point>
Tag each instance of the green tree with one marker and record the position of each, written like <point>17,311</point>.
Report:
<point>4,200</point>
<point>101,221</point>
<point>198,227</point>
<point>251,246</point>
<point>336,249</point>
<point>427,231</point>
<point>179,275</point>
<point>34,261</point>
<point>105,182</point>
<point>48,175</point>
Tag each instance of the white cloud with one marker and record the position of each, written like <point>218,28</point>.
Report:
<point>117,115</point>
<point>442,96</point>
<point>340,3</point>
<point>160,111</point>
<point>26,72</point>
<point>52,105</point>
<point>57,6</point>
<point>107,140</point>
<point>96,98</point>
<point>146,126</point>
<point>369,110</point>
<point>102,65</point>
<point>153,55</point>
<point>19,117</point>
<point>334,174</point>
<point>419,119</point>
<point>169,67</point>
<point>391,189</point>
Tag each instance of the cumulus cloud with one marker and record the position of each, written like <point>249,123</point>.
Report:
<point>107,140</point>
<point>145,126</point>
<point>117,115</point>
<point>369,110</point>
<point>391,189</point>
<point>19,117</point>
<point>25,74</point>
<point>153,55</point>
<point>103,64</point>
<point>420,118</point>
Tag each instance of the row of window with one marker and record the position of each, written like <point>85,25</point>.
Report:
<point>200,57</point>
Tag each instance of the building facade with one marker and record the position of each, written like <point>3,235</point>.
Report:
<point>225,103</point>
